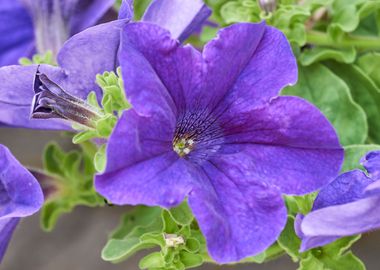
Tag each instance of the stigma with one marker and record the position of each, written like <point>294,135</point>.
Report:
<point>183,146</point>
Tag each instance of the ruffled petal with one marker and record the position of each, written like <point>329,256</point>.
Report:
<point>16,95</point>
<point>16,33</point>
<point>157,72</point>
<point>20,193</point>
<point>7,226</point>
<point>141,166</point>
<point>180,17</point>
<point>239,215</point>
<point>89,53</point>
<point>288,143</point>
<point>247,64</point>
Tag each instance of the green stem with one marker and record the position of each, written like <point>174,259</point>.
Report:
<point>359,42</point>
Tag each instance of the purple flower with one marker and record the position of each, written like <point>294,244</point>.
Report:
<point>30,26</point>
<point>20,196</point>
<point>85,55</point>
<point>347,206</point>
<point>211,127</point>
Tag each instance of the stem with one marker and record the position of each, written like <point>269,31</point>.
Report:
<point>359,42</point>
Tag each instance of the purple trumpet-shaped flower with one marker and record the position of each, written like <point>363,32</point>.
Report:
<point>347,206</point>
<point>85,55</point>
<point>20,196</point>
<point>36,26</point>
<point>211,127</point>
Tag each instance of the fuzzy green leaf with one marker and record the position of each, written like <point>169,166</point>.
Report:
<point>182,214</point>
<point>364,92</point>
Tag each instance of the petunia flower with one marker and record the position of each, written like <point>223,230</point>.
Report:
<point>37,26</point>
<point>20,196</point>
<point>347,206</point>
<point>211,127</point>
<point>88,53</point>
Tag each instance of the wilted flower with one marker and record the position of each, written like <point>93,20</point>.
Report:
<point>85,55</point>
<point>211,127</point>
<point>37,26</point>
<point>347,206</point>
<point>20,196</point>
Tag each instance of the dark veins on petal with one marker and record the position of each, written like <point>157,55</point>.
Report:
<point>198,135</point>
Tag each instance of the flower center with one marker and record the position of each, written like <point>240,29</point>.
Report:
<point>183,146</point>
<point>197,136</point>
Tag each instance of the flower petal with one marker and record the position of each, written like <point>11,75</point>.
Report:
<point>126,10</point>
<point>239,215</point>
<point>141,167</point>
<point>88,13</point>
<point>157,72</point>
<point>89,53</point>
<point>343,220</point>
<point>348,187</point>
<point>20,193</point>
<point>16,95</point>
<point>7,226</point>
<point>288,143</point>
<point>16,33</point>
<point>247,64</point>
<point>180,17</point>
<point>371,162</point>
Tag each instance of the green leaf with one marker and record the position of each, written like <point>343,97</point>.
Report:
<point>311,263</point>
<point>353,154</point>
<point>140,216</point>
<point>170,226</point>
<point>153,260</point>
<point>289,241</point>
<point>100,159</point>
<point>71,178</point>
<point>344,55</point>
<point>331,95</point>
<point>117,250</point>
<point>334,256</point>
<point>370,64</point>
<point>190,260</point>
<point>364,92</point>
<point>52,159</point>
<point>236,11</point>
<point>84,136</point>
<point>50,213</point>
<point>182,214</point>
<point>346,18</point>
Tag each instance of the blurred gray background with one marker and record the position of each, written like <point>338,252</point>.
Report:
<point>78,238</point>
